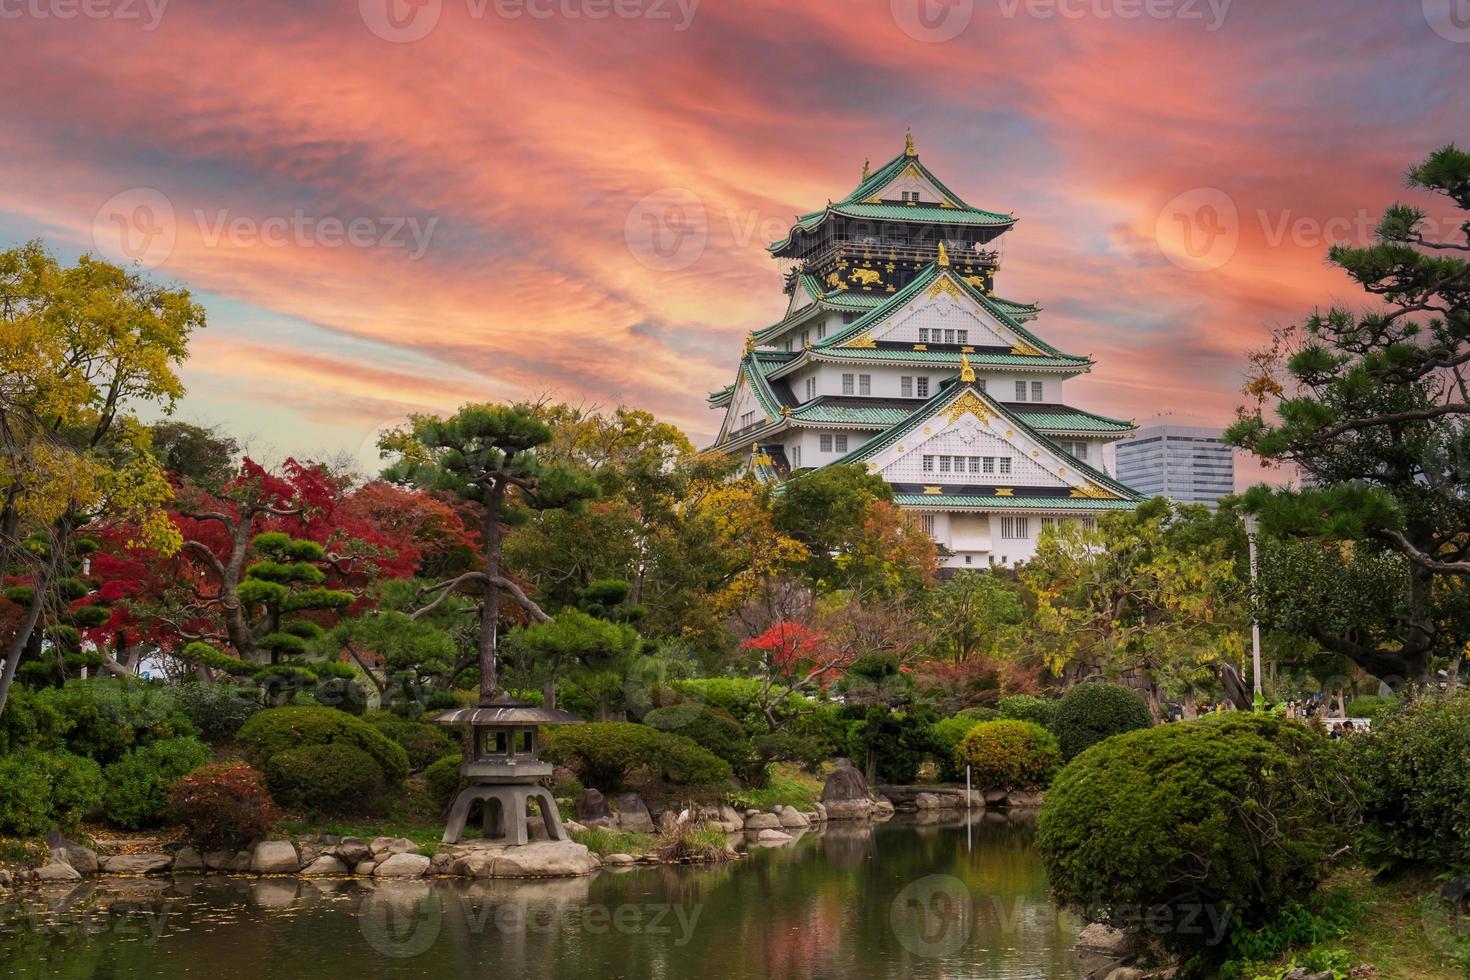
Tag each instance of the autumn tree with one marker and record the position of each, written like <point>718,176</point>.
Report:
<point>81,349</point>
<point>489,455</point>
<point>1372,406</point>
<point>790,658</point>
<point>1144,593</point>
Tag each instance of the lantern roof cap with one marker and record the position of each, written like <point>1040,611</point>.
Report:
<point>506,711</point>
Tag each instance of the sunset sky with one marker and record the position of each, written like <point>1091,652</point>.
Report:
<point>1178,168</point>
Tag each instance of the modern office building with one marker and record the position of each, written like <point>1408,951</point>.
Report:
<point>1187,464</point>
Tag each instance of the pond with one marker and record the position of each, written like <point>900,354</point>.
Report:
<point>902,899</point>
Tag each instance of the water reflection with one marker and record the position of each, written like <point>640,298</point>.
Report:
<point>932,897</point>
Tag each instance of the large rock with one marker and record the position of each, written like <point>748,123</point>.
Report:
<point>633,815</point>
<point>1101,949</point>
<point>274,857</point>
<point>773,838</point>
<point>188,860</point>
<point>83,860</point>
<point>849,809</point>
<point>1023,798</point>
<point>763,821</point>
<point>883,807</point>
<point>592,809</point>
<point>621,860</point>
<point>821,811</point>
<point>57,871</point>
<point>997,797</point>
<point>384,846</point>
<point>845,784</point>
<point>227,860</point>
<point>403,865</point>
<point>542,859</point>
<point>325,866</point>
<point>792,819</point>
<point>136,864</point>
<point>352,850</point>
<point>926,801</point>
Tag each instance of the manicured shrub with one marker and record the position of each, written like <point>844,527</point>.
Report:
<point>1199,827</point>
<point>275,730</point>
<point>223,805</point>
<point>138,783</point>
<point>1091,712</point>
<point>1008,754</point>
<point>946,734</point>
<point>443,780</point>
<point>327,779</point>
<point>102,718</point>
<point>29,721</point>
<point>1371,706</point>
<point>216,710</point>
<point>40,789</point>
<point>422,741</point>
<point>896,743</point>
<point>978,714</point>
<point>1027,707</point>
<point>606,753</point>
<point>712,728</point>
<point>1417,783</point>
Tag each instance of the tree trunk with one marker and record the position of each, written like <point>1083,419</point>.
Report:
<point>27,629</point>
<point>548,693</point>
<point>490,612</point>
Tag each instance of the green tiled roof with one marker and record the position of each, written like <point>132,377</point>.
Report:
<point>946,358</point>
<point>1022,503</point>
<point>1072,420</point>
<point>1012,308</point>
<point>927,276</point>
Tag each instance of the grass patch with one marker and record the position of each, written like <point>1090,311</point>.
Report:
<point>690,843</point>
<point>789,785</point>
<point>605,841</point>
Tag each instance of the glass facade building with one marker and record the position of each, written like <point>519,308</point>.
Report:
<point>1187,464</point>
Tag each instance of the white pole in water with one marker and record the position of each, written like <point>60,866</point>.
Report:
<point>1250,537</point>
<point>967,786</point>
<point>969,825</point>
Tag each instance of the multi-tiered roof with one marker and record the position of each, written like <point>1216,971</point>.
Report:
<point>902,249</point>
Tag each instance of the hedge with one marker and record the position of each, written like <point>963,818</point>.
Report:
<point>607,753</point>
<point>335,778</point>
<point>138,783</point>
<point>1008,754</point>
<point>1091,712</point>
<point>41,789</point>
<point>275,730</point>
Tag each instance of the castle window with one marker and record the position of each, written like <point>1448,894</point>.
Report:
<point>747,420</point>
<point>841,443</point>
<point>974,464</point>
<point>944,464</point>
<point>865,384</point>
<point>796,457</point>
<point>949,336</point>
<point>850,317</point>
<point>906,386</point>
<point>826,442</point>
<point>963,336</point>
<point>1036,395</point>
<point>1005,466</point>
<point>811,388</point>
<point>989,464</point>
<point>923,335</point>
<point>921,387</point>
<point>926,521</point>
<point>847,384</point>
<point>1020,391</point>
<point>821,330</point>
<point>928,464</point>
<point>1015,528</point>
<point>910,197</point>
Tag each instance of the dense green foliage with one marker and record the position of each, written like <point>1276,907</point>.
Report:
<point>216,710</point>
<point>946,735</point>
<point>1089,713</point>
<point>1372,706</point>
<point>1416,764</point>
<point>422,741</point>
<point>1027,707</point>
<point>138,783</point>
<point>223,805</point>
<point>100,718</point>
<point>334,778</point>
<point>443,780</point>
<point>711,728</point>
<point>1224,819</point>
<point>607,753</point>
<point>276,730</point>
<point>1008,754</point>
<point>40,789</point>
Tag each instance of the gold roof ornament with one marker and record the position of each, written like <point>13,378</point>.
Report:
<point>866,173</point>
<point>908,144</point>
<point>967,373</point>
<point>943,256</point>
<point>750,342</point>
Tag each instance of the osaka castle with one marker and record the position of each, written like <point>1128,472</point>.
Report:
<point>895,353</point>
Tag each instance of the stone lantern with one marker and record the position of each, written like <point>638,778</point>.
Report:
<point>500,763</point>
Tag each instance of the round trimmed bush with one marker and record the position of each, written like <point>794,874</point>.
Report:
<point>605,753</point>
<point>138,783</point>
<point>1190,825</point>
<point>443,779</point>
<point>1008,754</point>
<point>1416,799</point>
<point>712,728</point>
<point>40,789</point>
<point>275,730</point>
<point>223,805</point>
<point>333,778</point>
<point>1091,712</point>
<point>946,734</point>
<point>423,742</point>
<point>1027,707</point>
<point>978,714</point>
<point>217,710</point>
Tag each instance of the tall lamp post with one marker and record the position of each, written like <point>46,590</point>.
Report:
<point>1250,537</point>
